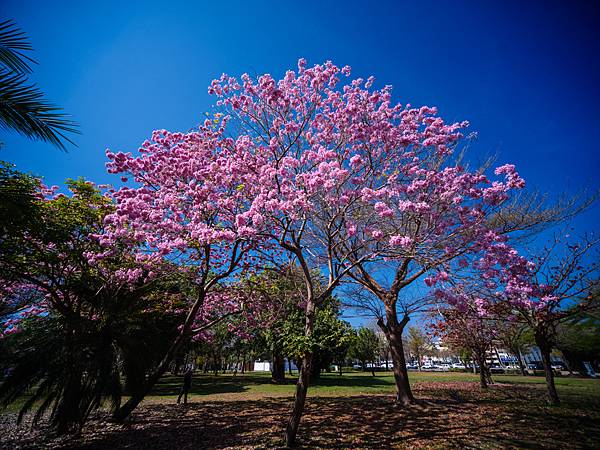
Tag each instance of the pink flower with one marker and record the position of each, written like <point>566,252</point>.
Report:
<point>401,241</point>
<point>383,210</point>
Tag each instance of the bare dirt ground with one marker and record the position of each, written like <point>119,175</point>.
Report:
<point>447,415</point>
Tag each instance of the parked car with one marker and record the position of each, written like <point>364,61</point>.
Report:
<point>559,365</point>
<point>432,368</point>
<point>535,366</point>
<point>495,368</point>
<point>458,366</point>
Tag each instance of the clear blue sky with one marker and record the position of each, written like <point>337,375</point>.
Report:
<point>525,74</point>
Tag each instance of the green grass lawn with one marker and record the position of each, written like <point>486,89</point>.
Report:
<point>258,384</point>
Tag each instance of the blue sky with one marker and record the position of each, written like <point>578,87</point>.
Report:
<point>525,74</point>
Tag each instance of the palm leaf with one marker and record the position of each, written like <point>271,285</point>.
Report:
<point>13,42</point>
<point>23,109</point>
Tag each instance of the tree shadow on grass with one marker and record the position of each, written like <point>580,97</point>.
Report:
<point>209,384</point>
<point>353,381</point>
<point>447,415</point>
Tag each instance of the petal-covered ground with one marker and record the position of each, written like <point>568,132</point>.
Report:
<point>449,414</point>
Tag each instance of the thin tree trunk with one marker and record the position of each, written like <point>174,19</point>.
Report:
<point>278,369</point>
<point>498,356</point>
<point>127,408</point>
<point>303,379</point>
<point>552,394</point>
<point>290,367</point>
<point>237,363</point>
<point>521,363</point>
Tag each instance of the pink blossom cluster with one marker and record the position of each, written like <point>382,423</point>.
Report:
<point>349,150</point>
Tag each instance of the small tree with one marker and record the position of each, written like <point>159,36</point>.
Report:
<point>517,338</point>
<point>558,283</point>
<point>466,325</point>
<point>364,348</point>
<point>578,339</point>
<point>418,345</point>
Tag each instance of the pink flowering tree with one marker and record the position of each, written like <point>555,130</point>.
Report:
<point>411,211</point>
<point>296,127</point>
<point>465,322</point>
<point>350,182</point>
<point>187,206</point>
<point>557,283</point>
<point>426,219</point>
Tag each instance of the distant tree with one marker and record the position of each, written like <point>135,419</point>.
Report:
<point>464,325</point>
<point>364,348</point>
<point>578,339</point>
<point>418,345</point>
<point>283,289</point>
<point>329,340</point>
<point>560,282</point>
<point>517,338</point>
<point>22,105</point>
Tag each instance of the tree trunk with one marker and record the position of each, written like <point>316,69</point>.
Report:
<point>303,379</point>
<point>521,363</point>
<point>483,377</point>
<point>500,363</point>
<point>68,414</point>
<point>278,368</point>
<point>290,366</point>
<point>237,364</point>
<point>216,365</point>
<point>393,333</point>
<point>545,350</point>
<point>488,374</point>
<point>315,368</point>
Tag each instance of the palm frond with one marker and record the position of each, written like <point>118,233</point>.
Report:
<point>13,41</point>
<point>24,109</point>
